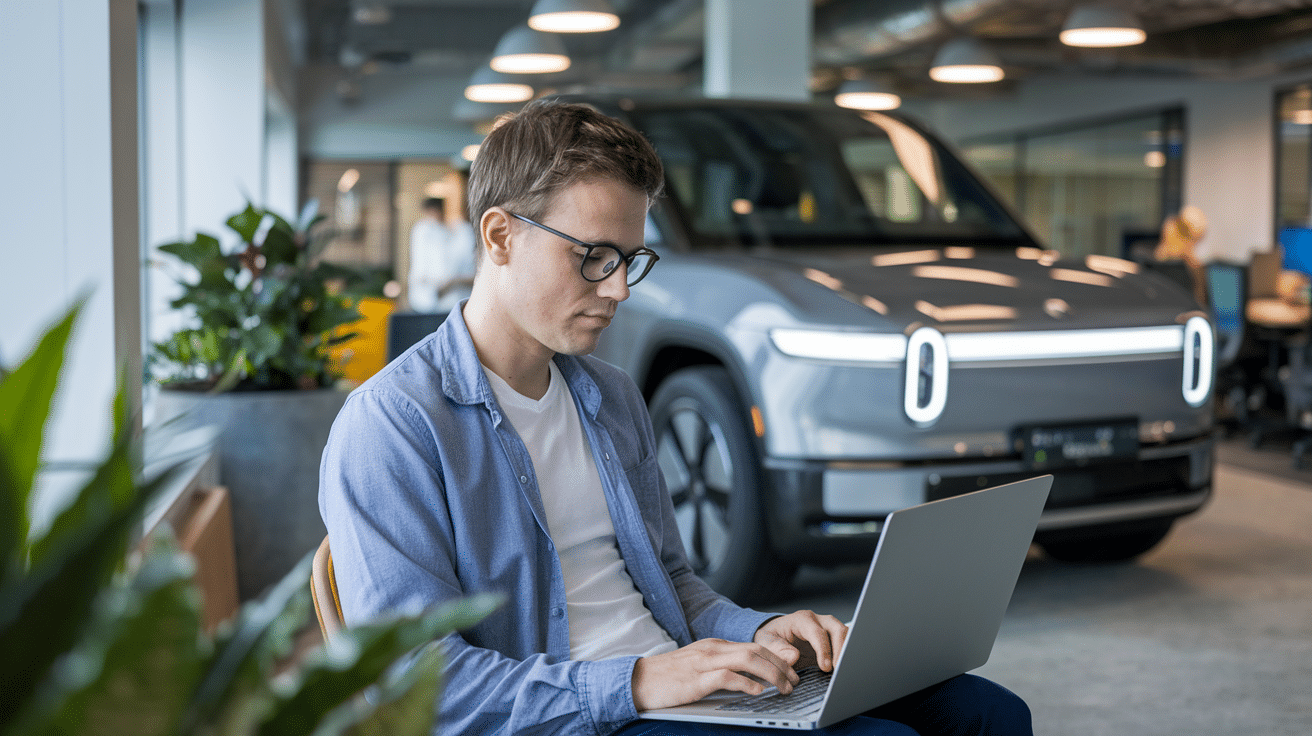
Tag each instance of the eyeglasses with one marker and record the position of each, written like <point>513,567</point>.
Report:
<point>603,259</point>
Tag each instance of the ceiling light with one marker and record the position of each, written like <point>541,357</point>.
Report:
<point>489,85</point>
<point>966,61</point>
<point>866,94</point>
<point>469,152</point>
<point>526,51</point>
<point>573,16</point>
<point>1301,117</point>
<point>372,14</point>
<point>1101,27</point>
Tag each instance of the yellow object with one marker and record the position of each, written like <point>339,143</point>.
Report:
<point>323,590</point>
<point>366,353</point>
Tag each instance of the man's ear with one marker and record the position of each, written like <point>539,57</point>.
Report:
<point>495,227</point>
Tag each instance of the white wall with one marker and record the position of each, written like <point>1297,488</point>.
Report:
<point>1229,167</point>
<point>69,202</point>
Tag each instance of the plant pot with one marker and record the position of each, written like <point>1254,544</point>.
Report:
<point>270,444</point>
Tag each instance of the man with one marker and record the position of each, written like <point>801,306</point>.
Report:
<point>441,260</point>
<point>496,456</point>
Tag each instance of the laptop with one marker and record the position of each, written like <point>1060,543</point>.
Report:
<point>930,609</point>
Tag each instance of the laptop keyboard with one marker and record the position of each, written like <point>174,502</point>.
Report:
<point>806,695</point>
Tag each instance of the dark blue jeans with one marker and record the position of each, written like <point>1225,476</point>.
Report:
<point>963,706</point>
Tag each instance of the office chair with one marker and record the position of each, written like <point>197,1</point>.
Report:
<point>407,328</point>
<point>1227,290</point>
<point>323,589</point>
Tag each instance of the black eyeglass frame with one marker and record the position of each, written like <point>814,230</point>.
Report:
<point>628,259</point>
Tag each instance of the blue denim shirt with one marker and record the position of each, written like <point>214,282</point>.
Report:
<point>429,494</point>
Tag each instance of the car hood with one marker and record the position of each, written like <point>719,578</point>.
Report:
<point>967,289</point>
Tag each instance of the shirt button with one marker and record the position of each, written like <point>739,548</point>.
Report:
<point>607,454</point>
<point>523,479</point>
<point>556,612</point>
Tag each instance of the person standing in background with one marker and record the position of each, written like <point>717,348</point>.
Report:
<point>441,260</point>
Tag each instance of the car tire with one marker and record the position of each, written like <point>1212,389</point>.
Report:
<point>713,474</point>
<point>1120,543</point>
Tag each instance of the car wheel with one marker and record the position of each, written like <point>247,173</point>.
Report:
<point>713,475</point>
<point>1104,544</point>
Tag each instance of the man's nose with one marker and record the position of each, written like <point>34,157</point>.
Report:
<point>616,285</point>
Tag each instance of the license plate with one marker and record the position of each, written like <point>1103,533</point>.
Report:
<point>1077,444</point>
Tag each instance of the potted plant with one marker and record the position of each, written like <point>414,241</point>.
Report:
<point>256,364</point>
<point>91,650</point>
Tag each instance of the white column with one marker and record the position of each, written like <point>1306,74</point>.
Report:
<point>69,201</point>
<point>759,49</point>
<point>223,112</point>
<point>161,161</point>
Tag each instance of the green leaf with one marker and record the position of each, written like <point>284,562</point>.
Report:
<point>234,693</point>
<point>43,614</point>
<point>26,395</point>
<point>405,706</point>
<point>246,222</point>
<point>134,672</point>
<point>280,245</point>
<point>337,673</point>
<point>201,252</point>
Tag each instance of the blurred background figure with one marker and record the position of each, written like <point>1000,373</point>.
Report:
<point>441,260</point>
<point>1181,234</point>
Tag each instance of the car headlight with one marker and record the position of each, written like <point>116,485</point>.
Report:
<point>856,347</point>
<point>1198,358</point>
<point>924,354</point>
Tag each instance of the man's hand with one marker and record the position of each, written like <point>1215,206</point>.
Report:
<point>804,638</point>
<point>689,674</point>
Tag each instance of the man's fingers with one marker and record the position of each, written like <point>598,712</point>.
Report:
<point>757,661</point>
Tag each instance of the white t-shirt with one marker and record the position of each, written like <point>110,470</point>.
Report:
<point>439,253</point>
<point>607,616</point>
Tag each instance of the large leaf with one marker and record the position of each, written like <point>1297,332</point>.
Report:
<point>337,673</point>
<point>234,693</point>
<point>43,614</point>
<point>246,222</point>
<point>134,672</point>
<point>406,706</point>
<point>26,395</point>
<point>200,253</point>
<point>280,244</point>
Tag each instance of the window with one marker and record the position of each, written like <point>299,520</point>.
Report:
<point>1099,188</point>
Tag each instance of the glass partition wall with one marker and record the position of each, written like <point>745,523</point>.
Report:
<point>1095,188</point>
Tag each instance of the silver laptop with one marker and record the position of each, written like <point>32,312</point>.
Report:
<point>930,610</point>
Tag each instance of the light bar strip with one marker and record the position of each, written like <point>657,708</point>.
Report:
<point>1062,344</point>
<point>861,347</point>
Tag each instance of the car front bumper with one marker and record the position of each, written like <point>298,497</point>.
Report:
<point>828,512</point>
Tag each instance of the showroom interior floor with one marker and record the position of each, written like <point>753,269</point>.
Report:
<point>1210,633</point>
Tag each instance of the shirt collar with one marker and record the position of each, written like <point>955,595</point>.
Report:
<point>463,380</point>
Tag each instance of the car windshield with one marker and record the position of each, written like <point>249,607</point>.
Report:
<point>808,177</point>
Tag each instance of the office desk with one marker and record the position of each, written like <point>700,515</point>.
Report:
<point>1277,314</point>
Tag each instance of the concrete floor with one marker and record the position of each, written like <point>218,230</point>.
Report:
<point>1209,634</point>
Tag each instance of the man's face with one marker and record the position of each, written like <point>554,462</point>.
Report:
<point>553,304</point>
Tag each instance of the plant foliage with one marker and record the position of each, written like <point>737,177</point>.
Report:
<point>87,647</point>
<point>267,314</point>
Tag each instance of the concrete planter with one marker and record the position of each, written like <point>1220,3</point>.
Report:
<point>270,444</point>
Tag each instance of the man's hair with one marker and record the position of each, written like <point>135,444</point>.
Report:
<point>550,145</point>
